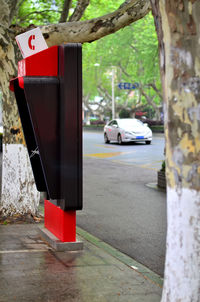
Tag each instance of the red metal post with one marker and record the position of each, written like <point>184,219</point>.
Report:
<point>60,223</point>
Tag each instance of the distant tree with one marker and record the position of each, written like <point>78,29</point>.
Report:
<point>124,113</point>
<point>139,63</point>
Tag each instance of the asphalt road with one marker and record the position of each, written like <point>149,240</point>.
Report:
<point>119,207</point>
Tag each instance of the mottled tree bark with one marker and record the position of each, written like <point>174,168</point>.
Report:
<point>19,194</point>
<point>180,69</point>
<point>94,29</point>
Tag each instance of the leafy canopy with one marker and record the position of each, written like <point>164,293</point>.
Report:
<point>133,51</point>
<point>42,12</point>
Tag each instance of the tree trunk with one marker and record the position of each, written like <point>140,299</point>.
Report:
<point>19,194</point>
<point>181,79</point>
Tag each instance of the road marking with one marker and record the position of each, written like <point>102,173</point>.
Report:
<point>104,155</point>
<point>127,161</point>
<point>109,147</point>
<point>135,165</point>
<point>23,251</point>
<point>149,166</point>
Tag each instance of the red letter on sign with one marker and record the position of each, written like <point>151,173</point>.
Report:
<point>32,37</point>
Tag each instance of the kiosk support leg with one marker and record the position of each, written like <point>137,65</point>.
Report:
<point>60,223</point>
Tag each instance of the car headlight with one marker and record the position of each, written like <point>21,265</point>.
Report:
<point>128,133</point>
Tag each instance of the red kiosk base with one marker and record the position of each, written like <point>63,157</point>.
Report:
<point>60,223</point>
<point>60,228</point>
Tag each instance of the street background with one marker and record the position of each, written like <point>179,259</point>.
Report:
<point>121,205</point>
<point>118,205</point>
<point>120,209</point>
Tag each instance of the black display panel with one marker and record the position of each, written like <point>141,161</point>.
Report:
<point>29,138</point>
<point>70,67</point>
<point>51,113</point>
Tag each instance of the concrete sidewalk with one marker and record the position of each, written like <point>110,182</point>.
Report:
<point>31,271</point>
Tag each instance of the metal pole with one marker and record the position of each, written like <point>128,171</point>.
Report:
<point>113,92</point>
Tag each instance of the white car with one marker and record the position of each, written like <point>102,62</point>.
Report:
<point>127,130</point>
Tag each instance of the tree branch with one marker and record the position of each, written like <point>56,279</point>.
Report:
<point>133,48</point>
<point>94,29</point>
<point>156,90</point>
<point>151,102</point>
<point>123,70</point>
<point>86,102</point>
<point>104,107</point>
<point>103,92</point>
<point>20,2</point>
<point>79,10</point>
<point>101,107</point>
<point>65,11</point>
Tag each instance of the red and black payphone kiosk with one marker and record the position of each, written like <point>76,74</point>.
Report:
<point>48,92</point>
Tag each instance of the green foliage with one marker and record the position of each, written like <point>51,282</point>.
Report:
<point>157,128</point>
<point>133,51</point>
<point>163,166</point>
<point>101,7</point>
<point>39,12</point>
<point>124,113</point>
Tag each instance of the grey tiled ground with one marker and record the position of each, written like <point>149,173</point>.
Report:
<point>31,271</point>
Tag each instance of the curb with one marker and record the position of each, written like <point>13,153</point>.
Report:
<point>156,187</point>
<point>138,267</point>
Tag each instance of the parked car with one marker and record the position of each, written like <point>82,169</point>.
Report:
<point>127,130</point>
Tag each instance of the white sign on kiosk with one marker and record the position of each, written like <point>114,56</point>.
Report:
<point>31,42</point>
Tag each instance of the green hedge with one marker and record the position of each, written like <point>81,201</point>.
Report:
<point>156,128</point>
<point>94,128</point>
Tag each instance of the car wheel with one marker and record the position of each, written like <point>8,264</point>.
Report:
<point>148,142</point>
<point>106,140</point>
<point>119,139</point>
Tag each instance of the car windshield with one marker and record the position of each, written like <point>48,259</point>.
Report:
<point>129,123</point>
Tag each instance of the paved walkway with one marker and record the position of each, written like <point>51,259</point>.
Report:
<point>32,272</point>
